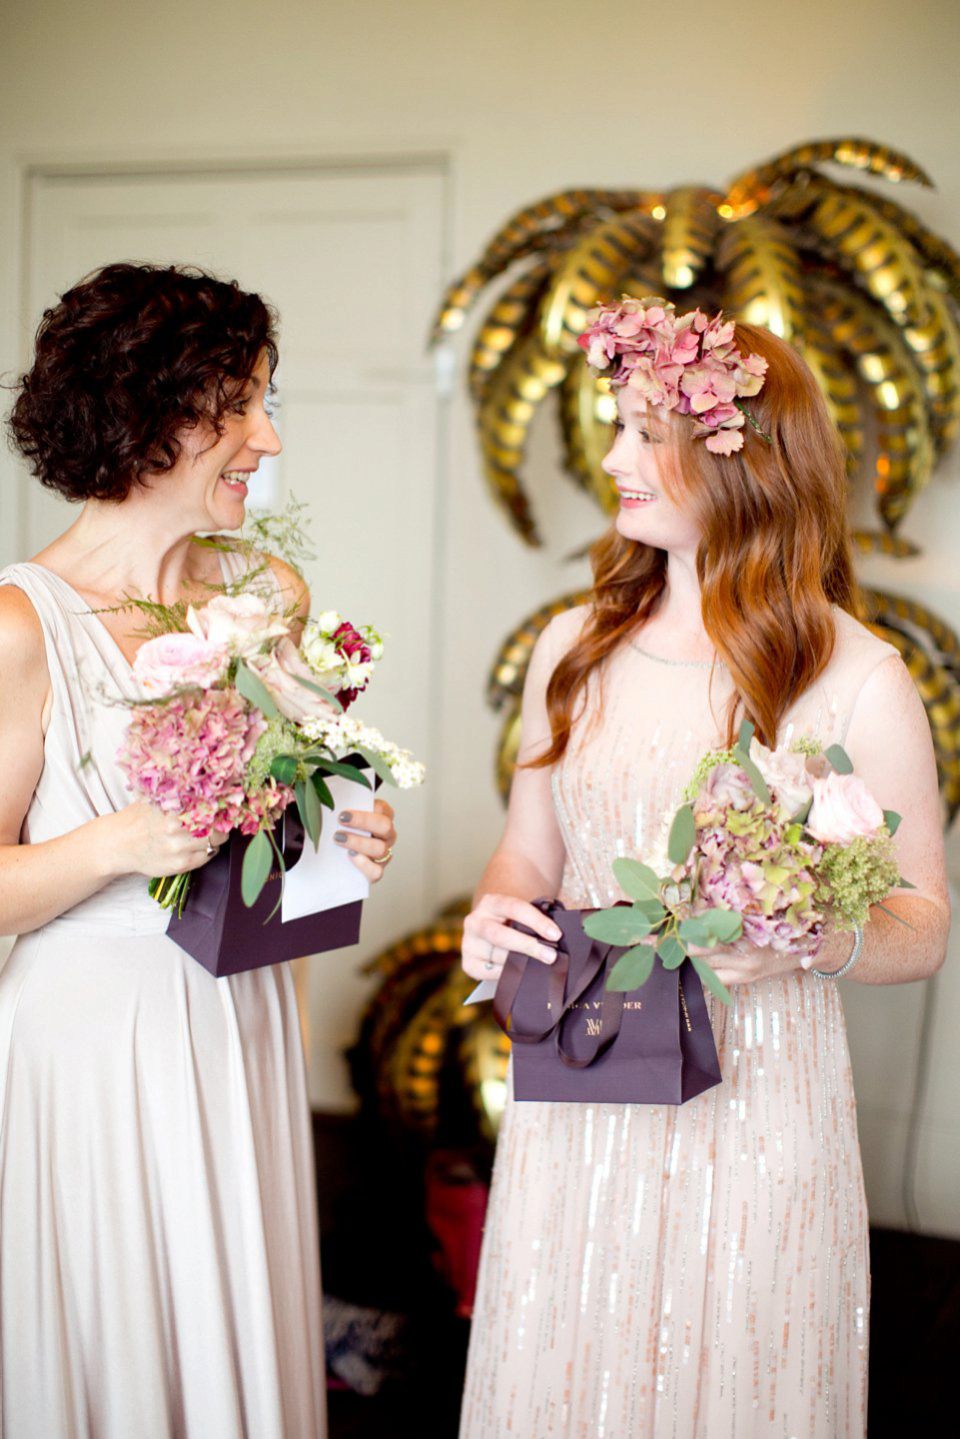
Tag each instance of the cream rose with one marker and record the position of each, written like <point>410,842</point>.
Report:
<point>243,623</point>
<point>843,810</point>
<point>281,671</point>
<point>786,774</point>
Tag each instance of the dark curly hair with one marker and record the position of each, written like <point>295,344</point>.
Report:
<point>131,357</point>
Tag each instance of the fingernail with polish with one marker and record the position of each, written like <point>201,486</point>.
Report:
<point>339,837</point>
<point>352,853</point>
<point>547,954</point>
<point>346,817</point>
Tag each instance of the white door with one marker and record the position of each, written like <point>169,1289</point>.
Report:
<point>351,258</point>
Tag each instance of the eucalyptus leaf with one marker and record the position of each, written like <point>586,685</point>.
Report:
<point>839,758</point>
<point>892,820</point>
<point>331,699</point>
<point>283,870</point>
<point>724,925</point>
<point>284,768</point>
<point>623,925</point>
<point>322,790</point>
<point>632,970</point>
<point>252,688</point>
<point>747,732</point>
<point>377,763</point>
<point>311,811</point>
<point>756,779</point>
<point>683,832</point>
<point>694,931</point>
<point>709,978</point>
<point>651,909</point>
<point>346,771</point>
<point>672,951</point>
<point>637,880</point>
<point>256,867</point>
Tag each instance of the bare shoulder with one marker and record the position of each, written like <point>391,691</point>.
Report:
<point>21,634</point>
<point>292,585</point>
<point>24,679</point>
<point>565,629</point>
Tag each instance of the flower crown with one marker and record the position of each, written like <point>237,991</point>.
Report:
<point>685,363</point>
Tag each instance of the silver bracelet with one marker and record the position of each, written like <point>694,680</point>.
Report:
<point>855,954</point>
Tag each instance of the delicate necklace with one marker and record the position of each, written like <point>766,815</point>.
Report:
<point>679,664</point>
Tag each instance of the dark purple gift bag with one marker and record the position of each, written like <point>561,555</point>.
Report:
<point>576,1041</point>
<point>226,937</point>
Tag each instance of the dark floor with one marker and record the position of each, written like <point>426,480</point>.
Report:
<point>377,1254</point>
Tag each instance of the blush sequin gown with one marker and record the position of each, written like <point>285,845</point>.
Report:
<point>699,1272</point>
<point>159,1269</point>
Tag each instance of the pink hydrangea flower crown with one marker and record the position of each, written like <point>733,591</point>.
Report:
<point>685,363</point>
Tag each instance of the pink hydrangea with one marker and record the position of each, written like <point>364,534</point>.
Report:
<point>686,363</point>
<point>189,756</point>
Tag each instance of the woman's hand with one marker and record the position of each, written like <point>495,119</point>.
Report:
<point>371,851</point>
<point>488,938</point>
<point>744,963</point>
<point>142,839</point>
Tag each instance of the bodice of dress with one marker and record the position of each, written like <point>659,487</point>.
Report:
<point>646,723</point>
<point>92,684</point>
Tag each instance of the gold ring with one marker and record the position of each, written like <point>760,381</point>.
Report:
<point>387,857</point>
<point>211,848</point>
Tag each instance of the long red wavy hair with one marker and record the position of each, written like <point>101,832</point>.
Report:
<point>773,558</point>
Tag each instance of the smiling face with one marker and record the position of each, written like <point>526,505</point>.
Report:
<point>638,461</point>
<point>211,476</point>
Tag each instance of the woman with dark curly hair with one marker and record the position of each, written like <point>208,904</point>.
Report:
<point>158,1251</point>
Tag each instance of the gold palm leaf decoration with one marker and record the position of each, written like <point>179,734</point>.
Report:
<point>857,283</point>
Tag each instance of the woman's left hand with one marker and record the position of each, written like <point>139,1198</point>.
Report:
<point>744,963</point>
<point>372,849</point>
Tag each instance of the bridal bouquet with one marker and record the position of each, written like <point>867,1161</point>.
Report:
<point>240,722</point>
<point>768,845</point>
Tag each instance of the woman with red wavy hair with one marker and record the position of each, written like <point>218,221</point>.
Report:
<point>703,1269</point>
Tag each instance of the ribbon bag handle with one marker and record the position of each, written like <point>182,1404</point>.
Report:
<point>511,978</point>
<point>611,1010</point>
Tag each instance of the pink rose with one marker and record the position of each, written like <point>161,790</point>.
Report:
<point>241,623</point>
<point>843,810</point>
<point>282,671</point>
<point>172,662</point>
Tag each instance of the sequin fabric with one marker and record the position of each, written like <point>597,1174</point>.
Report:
<point>692,1271</point>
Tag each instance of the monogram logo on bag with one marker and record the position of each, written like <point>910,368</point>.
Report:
<point>594,1027</point>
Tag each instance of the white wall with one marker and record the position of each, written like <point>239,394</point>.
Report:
<point>524,98</point>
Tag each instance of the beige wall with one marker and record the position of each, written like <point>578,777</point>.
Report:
<point>523,98</point>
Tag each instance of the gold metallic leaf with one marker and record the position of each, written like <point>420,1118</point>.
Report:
<point>509,670</point>
<point>547,225</point>
<point>512,316</point>
<point>837,382</point>
<point>753,188</point>
<point>937,255</point>
<point>905,452</point>
<point>690,226</point>
<point>761,276</point>
<point>587,412</point>
<point>940,693</point>
<point>592,272</point>
<point>873,250</point>
<point>880,542</point>
<point>520,382</point>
